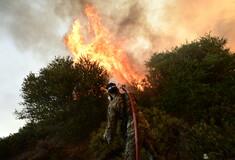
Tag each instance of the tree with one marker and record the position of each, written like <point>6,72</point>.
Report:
<point>66,95</point>
<point>193,78</point>
<point>196,82</point>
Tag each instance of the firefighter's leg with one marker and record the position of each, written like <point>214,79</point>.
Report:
<point>130,148</point>
<point>148,145</point>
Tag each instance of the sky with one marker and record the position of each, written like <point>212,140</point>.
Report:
<point>32,33</point>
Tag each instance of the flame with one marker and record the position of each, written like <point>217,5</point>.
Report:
<point>101,48</point>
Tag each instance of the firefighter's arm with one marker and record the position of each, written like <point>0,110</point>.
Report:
<point>111,123</point>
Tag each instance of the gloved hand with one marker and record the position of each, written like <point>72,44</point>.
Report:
<point>105,138</point>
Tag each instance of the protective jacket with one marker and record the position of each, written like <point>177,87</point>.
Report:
<point>120,109</point>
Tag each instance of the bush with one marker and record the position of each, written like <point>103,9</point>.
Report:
<point>66,97</point>
<point>101,150</point>
<point>188,80</point>
<point>19,142</point>
<point>216,142</point>
<point>169,134</point>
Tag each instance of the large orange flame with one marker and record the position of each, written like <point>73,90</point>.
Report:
<point>101,48</point>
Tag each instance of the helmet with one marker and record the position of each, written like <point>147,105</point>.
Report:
<point>112,88</point>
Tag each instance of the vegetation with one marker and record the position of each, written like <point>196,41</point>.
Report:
<point>188,99</point>
<point>193,78</point>
<point>196,82</point>
<point>65,97</point>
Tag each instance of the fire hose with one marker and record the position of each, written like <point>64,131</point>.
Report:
<point>135,123</point>
<point>135,126</point>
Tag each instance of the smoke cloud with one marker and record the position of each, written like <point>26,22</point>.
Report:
<point>33,27</point>
<point>146,26</point>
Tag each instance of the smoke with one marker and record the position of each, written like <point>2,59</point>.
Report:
<point>194,19</point>
<point>33,27</point>
<point>146,26</point>
<point>158,25</point>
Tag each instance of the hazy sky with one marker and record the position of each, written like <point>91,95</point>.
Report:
<point>31,34</point>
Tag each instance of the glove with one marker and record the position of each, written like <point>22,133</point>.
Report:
<point>105,138</point>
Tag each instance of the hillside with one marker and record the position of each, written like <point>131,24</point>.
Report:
<point>188,98</point>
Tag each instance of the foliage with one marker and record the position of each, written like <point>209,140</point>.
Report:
<point>168,134</point>
<point>21,141</point>
<point>193,78</point>
<point>66,97</point>
<point>196,82</point>
<point>63,103</point>
<point>101,150</point>
<point>31,142</point>
<point>217,142</point>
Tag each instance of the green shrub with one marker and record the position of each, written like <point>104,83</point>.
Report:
<point>65,97</point>
<point>101,150</point>
<point>218,143</point>
<point>19,142</point>
<point>168,133</point>
<point>188,80</point>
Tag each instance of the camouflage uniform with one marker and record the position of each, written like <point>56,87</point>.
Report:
<point>116,110</point>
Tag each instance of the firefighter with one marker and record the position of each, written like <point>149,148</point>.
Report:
<point>120,109</point>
